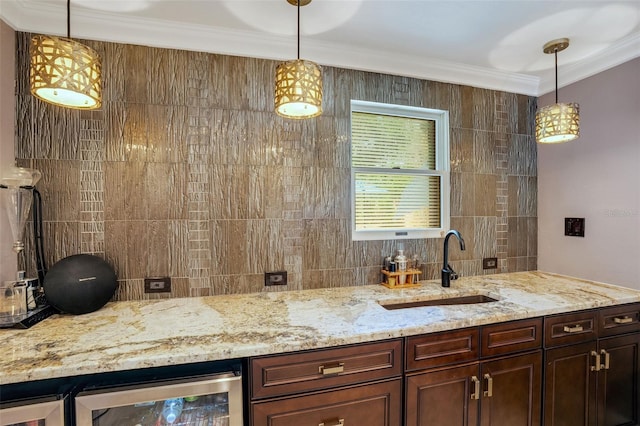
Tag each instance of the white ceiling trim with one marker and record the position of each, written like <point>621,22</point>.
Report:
<point>105,26</point>
<point>625,50</point>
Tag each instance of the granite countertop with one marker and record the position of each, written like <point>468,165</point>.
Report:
<point>140,334</point>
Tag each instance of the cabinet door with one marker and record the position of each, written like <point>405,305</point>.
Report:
<point>570,386</point>
<point>512,391</point>
<point>376,404</point>
<point>444,397</point>
<point>618,395</point>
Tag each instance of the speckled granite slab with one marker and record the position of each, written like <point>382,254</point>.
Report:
<point>131,335</point>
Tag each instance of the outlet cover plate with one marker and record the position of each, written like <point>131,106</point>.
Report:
<point>157,285</point>
<point>490,263</point>
<point>275,278</point>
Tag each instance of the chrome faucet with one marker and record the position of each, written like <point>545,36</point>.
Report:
<point>448,273</point>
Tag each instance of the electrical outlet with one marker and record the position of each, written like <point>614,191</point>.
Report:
<point>157,285</point>
<point>275,278</point>
<point>490,263</point>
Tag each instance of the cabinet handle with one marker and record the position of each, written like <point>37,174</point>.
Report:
<point>624,320</point>
<point>332,422</point>
<point>489,391</point>
<point>607,359</point>
<point>575,329</point>
<point>331,369</point>
<point>476,388</point>
<point>597,363</point>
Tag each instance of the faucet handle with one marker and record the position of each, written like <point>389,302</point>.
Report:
<point>453,274</point>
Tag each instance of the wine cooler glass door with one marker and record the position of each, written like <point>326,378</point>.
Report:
<point>40,412</point>
<point>212,400</point>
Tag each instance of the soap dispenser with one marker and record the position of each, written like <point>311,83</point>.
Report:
<point>401,262</point>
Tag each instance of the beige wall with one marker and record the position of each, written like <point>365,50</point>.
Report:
<point>7,127</point>
<point>596,177</point>
<point>188,172</point>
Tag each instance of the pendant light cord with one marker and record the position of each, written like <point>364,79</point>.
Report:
<point>556,54</point>
<point>68,18</point>
<point>299,28</point>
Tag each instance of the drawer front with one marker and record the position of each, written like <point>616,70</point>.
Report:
<point>377,404</point>
<point>619,320</point>
<point>570,328</point>
<point>510,337</point>
<point>308,371</point>
<point>438,349</point>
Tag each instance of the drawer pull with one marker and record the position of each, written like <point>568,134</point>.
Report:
<point>607,359</point>
<point>624,320</point>
<point>489,391</point>
<point>575,329</point>
<point>596,366</point>
<point>476,388</point>
<point>332,422</point>
<point>331,369</point>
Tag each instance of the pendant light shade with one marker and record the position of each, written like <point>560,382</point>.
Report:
<point>64,72</point>
<point>559,122</point>
<point>298,89</point>
<point>298,92</point>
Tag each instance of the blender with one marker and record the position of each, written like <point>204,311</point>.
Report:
<point>22,302</point>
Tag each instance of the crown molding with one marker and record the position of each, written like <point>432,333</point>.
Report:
<point>105,26</point>
<point>623,51</point>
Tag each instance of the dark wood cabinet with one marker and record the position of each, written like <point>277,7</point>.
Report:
<point>443,397</point>
<point>350,385</point>
<point>594,380</point>
<point>491,391</point>
<point>371,404</point>
<point>516,391</point>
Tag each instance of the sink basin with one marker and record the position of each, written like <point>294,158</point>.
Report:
<point>457,300</point>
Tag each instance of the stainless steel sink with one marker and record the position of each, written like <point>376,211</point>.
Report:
<point>457,300</point>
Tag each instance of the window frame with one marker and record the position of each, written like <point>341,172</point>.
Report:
<point>442,146</point>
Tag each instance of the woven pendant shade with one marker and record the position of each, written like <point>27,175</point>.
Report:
<point>298,89</point>
<point>558,123</point>
<point>65,72</point>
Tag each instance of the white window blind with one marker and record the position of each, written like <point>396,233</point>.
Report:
<point>399,169</point>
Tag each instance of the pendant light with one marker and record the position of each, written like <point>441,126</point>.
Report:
<point>64,72</point>
<point>559,122</point>
<point>298,91</point>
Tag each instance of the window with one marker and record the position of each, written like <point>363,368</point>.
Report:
<point>399,171</point>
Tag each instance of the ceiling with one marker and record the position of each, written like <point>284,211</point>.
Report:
<point>495,44</point>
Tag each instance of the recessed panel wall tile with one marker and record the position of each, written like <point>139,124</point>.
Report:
<point>484,108</point>
<point>115,190</point>
<point>115,244</point>
<point>485,237</point>
<point>462,150</point>
<point>59,188</point>
<point>261,84</point>
<point>137,84</point>
<point>485,195</point>
<point>137,248</point>
<point>198,179</point>
<point>158,251</point>
<point>466,227</point>
<point>484,152</point>
<point>135,133</point>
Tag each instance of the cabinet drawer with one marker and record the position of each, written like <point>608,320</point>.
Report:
<point>308,371</point>
<point>444,348</point>
<point>377,404</point>
<point>570,328</point>
<point>510,337</point>
<point>619,319</point>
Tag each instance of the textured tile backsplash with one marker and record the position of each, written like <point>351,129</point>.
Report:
<point>187,172</point>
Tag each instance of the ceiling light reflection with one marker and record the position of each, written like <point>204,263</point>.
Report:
<point>584,25</point>
<point>276,16</point>
<point>114,5</point>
